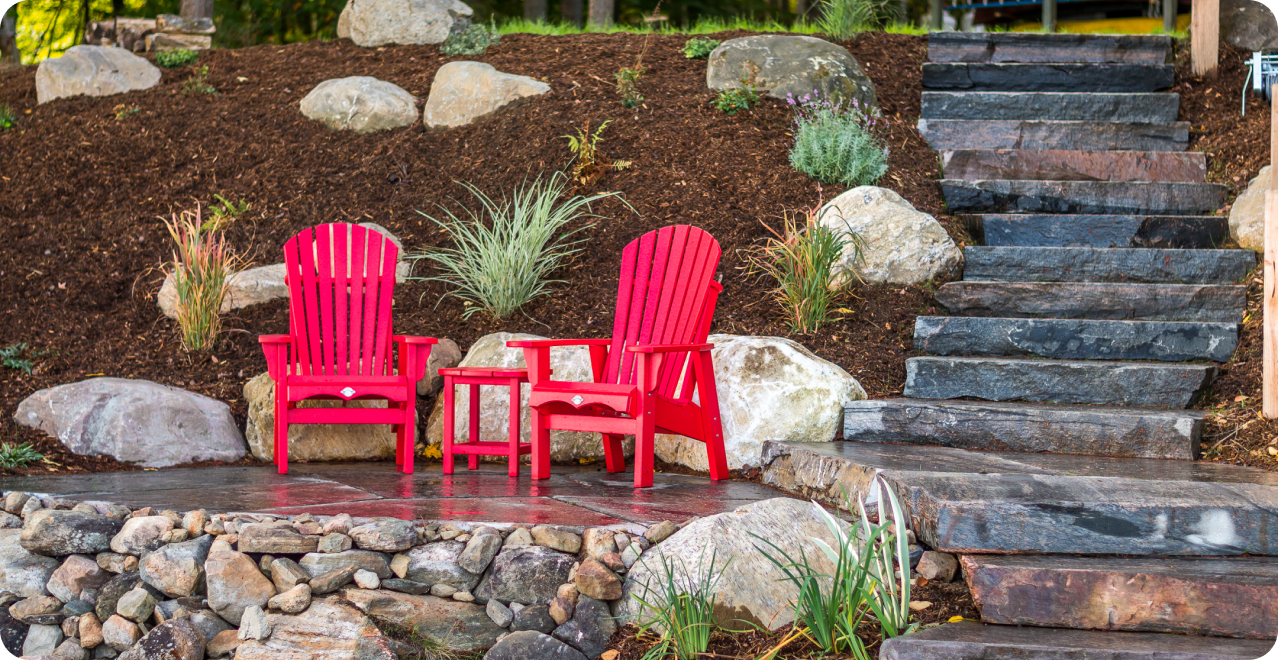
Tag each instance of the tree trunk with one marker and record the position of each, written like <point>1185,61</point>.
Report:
<point>601,12</point>
<point>9,41</point>
<point>197,8</point>
<point>570,10</point>
<point>535,10</point>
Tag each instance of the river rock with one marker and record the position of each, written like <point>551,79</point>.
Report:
<point>409,22</point>
<point>902,245</point>
<point>464,626</point>
<point>177,569</point>
<point>750,588</point>
<point>77,573</point>
<point>293,601</point>
<point>22,573</point>
<point>328,630</point>
<point>385,535</point>
<point>531,644</point>
<point>1247,215</point>
<point>119,633</point>
<point>134,421</point>
<point>58,533</point>
<point>141,535</point>
<point>275,539</point>
<point>436,564</point>
<point>770,388</point>
<point>788,65</point>
<point>529,575</point>
<point>41,640</point>
<point>93,71</point>
<point>466,91</point>
<point>316,564</point>
<point>1248,25</point>
<point>360,103</point>
<point>590,628</point>
<point>235,584</point>
<point>480,550</point>
<point>175,639</point>
<point>571,363</point>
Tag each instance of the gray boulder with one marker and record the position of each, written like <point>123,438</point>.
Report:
<point>525,574</point>
<point>21,572</point>
<point>1247,215</point>
<point>360,103</point>
<point>93,71</point>
<point>465,91</point>
<point>531,644</point>
<point>462,626</point>
<point>134,421</point>
<point>590,627</point>
<point>175,639</point>
<point>177,569</point>
<point>436,563</point>
<point>319,563</point>
<point>56,533</point>
<point>381,22</point>
<point>1248,24</point>
<point>385,535</point>
<point>791,66</point>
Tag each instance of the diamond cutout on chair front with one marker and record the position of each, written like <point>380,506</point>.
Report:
<point>576,400</point>
<point>347,392</point>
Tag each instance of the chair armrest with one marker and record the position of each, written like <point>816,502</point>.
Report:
<point>669,348</point>
<point>550,343</point>
<point>414,353</point>
<point>275,347</point>
<point>275,339</point>
<point>409,339</point>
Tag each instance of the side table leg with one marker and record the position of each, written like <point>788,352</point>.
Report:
<point>450,398</point>
<point>472,460</point>
<point>514,431</point>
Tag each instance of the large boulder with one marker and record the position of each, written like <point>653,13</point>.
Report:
<point>330,629</point>
<point>1247,215</point>
<point>465,91</point>
<point>902,245</point>
<point>750,587</point>
<point>360,103</point>
<point>1248,24</point>
<point>463,626</point>
<point>93,71</point>
<point>528,575</point>
<point>795,66</point>
<point>770,389</point>
<point>134,421</point>
<point>381,22</point>
<point>570,363</point>
<point>313,442</point>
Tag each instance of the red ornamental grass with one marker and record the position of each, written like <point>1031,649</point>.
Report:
<point>202,267</point>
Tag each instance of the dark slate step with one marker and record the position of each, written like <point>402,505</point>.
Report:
<point>975,641</point>
<point>1101,231</point>
<point>1075,339</point>
<point>1068,300</point>
<point>1142,384</point>
<point>1056,106</point>
<point>1057,135</point>
<point>1028,47</point>
<point>1094,430</point>
<point>1078,264</point>
<point>1121,78</point>
<point>1231,597</point>
<point>1092,197</point>
<point>1065,165</point>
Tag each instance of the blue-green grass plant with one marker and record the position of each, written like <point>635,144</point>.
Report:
<point>834,141</point>
<point>681,608</point>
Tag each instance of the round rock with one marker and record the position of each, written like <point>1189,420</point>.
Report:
<point>788,65</point>
<point>93,71</point>
<point>360,103</point>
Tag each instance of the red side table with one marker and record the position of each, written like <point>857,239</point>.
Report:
<point>474,377</point>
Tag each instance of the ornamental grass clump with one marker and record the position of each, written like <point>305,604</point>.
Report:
<point>681,607</point>
<point>802,259</point>
<point>202,267</point>
<point>504,252</point>
<point>842,19</point>
<point>834,142</point>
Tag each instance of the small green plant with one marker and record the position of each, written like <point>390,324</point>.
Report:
<point>198,83</point>
<point>16,456</point>
<point>588,164</point>
<point>11,358</point>
<point>681,607</point>
<point>474,40</point>
<point>734,100</point>
<point>425,646</point>
<point>7,116</point>
<point>802,258</point>
<point>842,19</point>
<point>173,59</point>
<point>504,252</point>
<point>628,85</point>
<point>699,48</point>
<point>834,142</point>
<point>224,213</point>
<point>124,111</point>
<point>202,266</point>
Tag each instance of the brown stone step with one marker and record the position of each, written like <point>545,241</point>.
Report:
<point>1061,165</point>
<point>1232,597</point>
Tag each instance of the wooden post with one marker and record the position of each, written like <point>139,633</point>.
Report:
<point>1269,329</point>
<point>1170,8</point>
<point>1204,28</point>
<point>938,13</point>
<point>535,10</point>
<point>9,41</point>
<point>1049,15</point>
<point>601,13</point>
<point>570,10</point>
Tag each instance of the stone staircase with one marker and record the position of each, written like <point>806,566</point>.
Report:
<point>1039,428</point>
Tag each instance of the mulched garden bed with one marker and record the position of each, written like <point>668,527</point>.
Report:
<point>82,200</point>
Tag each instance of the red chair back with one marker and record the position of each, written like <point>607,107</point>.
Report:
<point>666,295</point>
<point>341,279</point>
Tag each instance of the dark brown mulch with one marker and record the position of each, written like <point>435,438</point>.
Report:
<point>82,193</point>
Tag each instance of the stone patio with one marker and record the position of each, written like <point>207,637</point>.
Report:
<point>583,496</point>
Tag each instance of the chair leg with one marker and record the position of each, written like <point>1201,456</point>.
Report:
<point>645,443</point>
<point>450,397</point>
<point>281,434</point>
<point>540,446</point>
<point>472,460</point>
<point>614,452</point>
<point>711,422</point>
<point>512,452</point>
<point>409,430</point>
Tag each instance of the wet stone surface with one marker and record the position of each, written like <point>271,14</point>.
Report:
<point>1134,302</point>
<point>1077,264</point>
<point>1102,231</point>
<point>1075,339</point>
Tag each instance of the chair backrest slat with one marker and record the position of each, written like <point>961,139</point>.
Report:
<point>663,292</point>
<point>341,280</point>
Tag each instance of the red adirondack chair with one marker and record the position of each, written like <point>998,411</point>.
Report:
<point>340,281</point>
<point>644,375</point>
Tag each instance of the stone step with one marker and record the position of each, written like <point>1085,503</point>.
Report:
<point>1092,197</point>
<point>1075,339</point>
<point>1094,430</point>
<point>1028,47</point>
<point>1064,165</point>
<point>1139,384</point>
<point>1230,597</point>
<point>1068,300</point>
<point>1056,106</point>
<point>1054,135</point>
<point>1101,231</point>
<point>969,640</point>
<point>989,77</point>
<point>1079,264</point>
